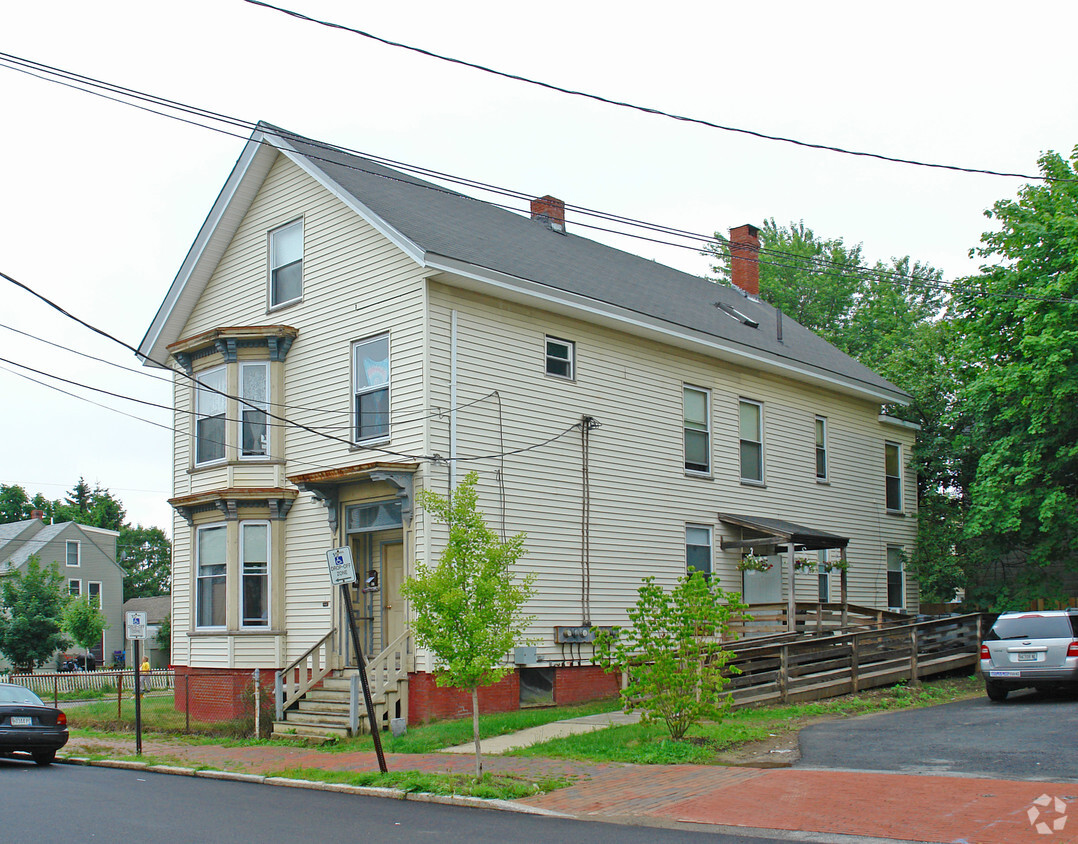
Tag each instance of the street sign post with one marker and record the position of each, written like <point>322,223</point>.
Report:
<point>342,572</point>
<point>135,625</point>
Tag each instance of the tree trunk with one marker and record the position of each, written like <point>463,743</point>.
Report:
<point>475,735</point>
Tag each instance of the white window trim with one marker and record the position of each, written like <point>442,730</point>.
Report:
<point>710,546</point>
<point>100,591</point>
<point>198,577</point>
<point>268,575</point>
<point>382,438</point>
<point>194,432</point>
<point>271,305</point>
<point>76,582</point>
<point>740,439</point>
<point>265,364</point>
<point>826,476</point>
<point>700,473</point>
<point>571,346</point>
<point>901,492</point>
<point>902,574</point>
<point>78,554</point>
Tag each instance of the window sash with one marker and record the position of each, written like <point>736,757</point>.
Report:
<point>74,588</point>
<point>893,476</point>
<point>72,559</point>
<point>560,355</point>
<point>750,417</point>
<point>254,389</point>
<point>696,405</point>
<point>821,448</point>
<point>93,591</point>
<point>210,568</point>
<point>286,264</point>
<point>698,549</point>
<point>210,408</point>
<point>254,555</point>
<point>896,580</point>
<point>370,379</point>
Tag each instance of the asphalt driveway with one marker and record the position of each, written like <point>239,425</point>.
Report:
<point>1031,736</point>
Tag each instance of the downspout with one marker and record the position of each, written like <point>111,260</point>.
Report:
<point>452,399</point>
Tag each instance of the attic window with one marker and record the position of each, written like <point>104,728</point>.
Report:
<point>734,313</point>
<point>286,264</point>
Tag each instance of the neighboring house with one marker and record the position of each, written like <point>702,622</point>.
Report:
<point>157,609</point>
<point>85,557</point>
<point>632,419</point>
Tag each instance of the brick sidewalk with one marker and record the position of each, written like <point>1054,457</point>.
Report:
<point>896,806</point>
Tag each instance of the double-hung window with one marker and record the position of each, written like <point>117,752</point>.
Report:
<point>821,448</point>
<point>210,403</point>
<point>370,388</point>
<point>698,549</point>
<point>210,564</point>
<point>286,264</point>
<point>752,440</point>
<point>892,470</point>
<point>560,358</point>
<point>697,427</point>
<point>71,552</point>
<point>93,591</point>
<point>823,576</point>
<point>896,577</point>
<point>254,390</point>
<point>74,588</point>
<point>254,553</point>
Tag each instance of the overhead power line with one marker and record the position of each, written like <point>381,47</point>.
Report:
<point>641,108</point>
<point>186,112</point>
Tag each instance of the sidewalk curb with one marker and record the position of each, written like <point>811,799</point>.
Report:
<point>315,785</point>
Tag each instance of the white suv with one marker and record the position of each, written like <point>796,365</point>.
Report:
<point>1023,649</point>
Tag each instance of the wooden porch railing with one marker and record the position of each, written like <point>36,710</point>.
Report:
<point>391,665</point>
<point>814,667</point>
<point>769,620</point>
<point>294,681</point>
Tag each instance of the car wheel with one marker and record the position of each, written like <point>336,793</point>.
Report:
<point>995,691</point>
<point>44,757</point>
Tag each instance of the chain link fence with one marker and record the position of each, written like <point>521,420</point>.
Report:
<point>191,701</point>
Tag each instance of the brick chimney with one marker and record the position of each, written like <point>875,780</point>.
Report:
<point>551,211</point>
<point>37,514</point>
<point>745,258</point>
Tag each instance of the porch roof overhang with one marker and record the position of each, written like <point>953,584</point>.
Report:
<point>325,485</point>
<point>780,532</point>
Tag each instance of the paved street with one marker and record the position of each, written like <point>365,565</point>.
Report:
<point>1028,737</point>
<point>67,803</point>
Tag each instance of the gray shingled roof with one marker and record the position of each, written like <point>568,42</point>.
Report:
<point>20,555</point>
<point>13,530</point>
<point>156,608</point>
<point>445,223</point>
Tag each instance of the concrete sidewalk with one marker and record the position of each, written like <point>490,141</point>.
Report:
<point>827,803</point>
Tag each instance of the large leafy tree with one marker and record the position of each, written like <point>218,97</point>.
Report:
<point>1019,320</point>
<point>32,607</point>
<point>14,504</point>
<point>469,606</point>
<point>146,556</point>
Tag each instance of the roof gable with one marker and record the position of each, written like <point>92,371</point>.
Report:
<point>449,231</point>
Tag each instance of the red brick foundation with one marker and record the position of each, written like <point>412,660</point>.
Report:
<point>572,684</point>
<point>217,694</point>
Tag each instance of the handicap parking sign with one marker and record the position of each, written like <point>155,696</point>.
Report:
<point>341,568</point>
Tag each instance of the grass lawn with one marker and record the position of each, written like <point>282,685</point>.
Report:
<point>158,715</point>
<point>711,743</point>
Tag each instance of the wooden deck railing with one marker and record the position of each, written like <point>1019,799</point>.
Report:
<point>294,681</point>
<point>839,663</point>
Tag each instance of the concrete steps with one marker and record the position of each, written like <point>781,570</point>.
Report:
<point>324,712</point>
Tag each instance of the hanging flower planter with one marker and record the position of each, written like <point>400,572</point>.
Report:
<point>750,562</point>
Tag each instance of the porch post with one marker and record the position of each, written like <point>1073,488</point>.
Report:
<point>842,580</point>
<point>791,602</point>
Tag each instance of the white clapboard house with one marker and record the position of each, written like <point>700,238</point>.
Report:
<point>344,334</point>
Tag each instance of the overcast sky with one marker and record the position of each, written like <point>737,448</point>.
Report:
<point>100,202</point>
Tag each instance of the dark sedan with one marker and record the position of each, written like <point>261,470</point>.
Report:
<point>27,725</point>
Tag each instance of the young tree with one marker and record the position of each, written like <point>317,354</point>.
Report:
<point>84,622</point>
<point>469,606</point>
<point>31,615</point>
<point>146,557</point>
<point>673,652</point>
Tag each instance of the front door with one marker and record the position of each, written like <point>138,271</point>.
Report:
<point>393,621</point>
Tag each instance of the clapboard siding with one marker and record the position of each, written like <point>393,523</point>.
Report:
<point>641,498</point>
